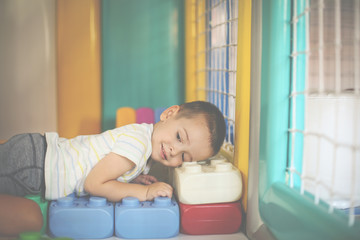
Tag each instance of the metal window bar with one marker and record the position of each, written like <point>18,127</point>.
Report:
<point>330,162</point>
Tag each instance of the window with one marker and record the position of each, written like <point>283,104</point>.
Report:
<point>325,102</point>
<point>309,127</point>
<point>216,56</point>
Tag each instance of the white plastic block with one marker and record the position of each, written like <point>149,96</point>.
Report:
<point>216,182</point>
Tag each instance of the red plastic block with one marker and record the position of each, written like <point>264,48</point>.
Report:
<point>203,219</point>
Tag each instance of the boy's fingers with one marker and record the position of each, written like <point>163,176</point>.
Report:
<point>166,190</point>
<point>165,194</point>
<point>160,189</point>
<point>169,187</point>
<point>152,179</point>
<point>169,190</point>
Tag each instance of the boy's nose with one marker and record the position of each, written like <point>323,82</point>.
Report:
<point>175,150</point>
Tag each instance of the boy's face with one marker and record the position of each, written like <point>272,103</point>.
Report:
<point>177,140</point>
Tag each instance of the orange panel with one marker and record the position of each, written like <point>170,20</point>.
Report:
<point>78,67</point>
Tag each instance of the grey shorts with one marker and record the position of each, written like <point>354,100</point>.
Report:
<point>22,160</point>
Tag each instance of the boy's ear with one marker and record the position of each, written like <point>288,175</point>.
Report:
<point>169,112</point>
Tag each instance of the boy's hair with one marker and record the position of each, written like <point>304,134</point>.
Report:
<point>214,118</point>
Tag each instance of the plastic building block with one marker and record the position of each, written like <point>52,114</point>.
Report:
<point>158,112</point>
<point>150,219</point>
<point>43,204</point>
<point>204,219</point>
<point>216,182</point>
<point>145,115</point>
<point>125,116</point>
<point>83,217</point>
<point>30,236</point>
<point>38,236</point>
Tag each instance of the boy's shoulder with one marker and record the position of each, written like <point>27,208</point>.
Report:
<point>135,127</point>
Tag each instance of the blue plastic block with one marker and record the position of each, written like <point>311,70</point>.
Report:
<point>158,112</point>
<point>157,219</point>
<point>81,217</point>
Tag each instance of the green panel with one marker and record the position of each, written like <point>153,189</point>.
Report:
<point>292,216</point>
<point>275,87</point>
<point>142,55</point>
<point>298,86</point>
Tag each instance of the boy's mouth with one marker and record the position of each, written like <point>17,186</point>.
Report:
<point>163,154</point>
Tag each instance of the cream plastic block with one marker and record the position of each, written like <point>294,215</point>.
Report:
<point>216,182</point>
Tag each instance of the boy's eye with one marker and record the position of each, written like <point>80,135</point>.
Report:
<point>178,137</point>
<point>182,156</point>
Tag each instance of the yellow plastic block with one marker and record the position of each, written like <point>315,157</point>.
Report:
<point>125,116</point>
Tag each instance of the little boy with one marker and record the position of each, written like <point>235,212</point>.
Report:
<point>108,164</point>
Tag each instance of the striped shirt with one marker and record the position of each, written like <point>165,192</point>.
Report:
<point>69,161</point>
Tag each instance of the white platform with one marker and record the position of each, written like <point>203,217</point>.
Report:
<point>235,236</point>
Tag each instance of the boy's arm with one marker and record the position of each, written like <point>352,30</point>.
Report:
<point>102,181</point>
<point>144,179</point>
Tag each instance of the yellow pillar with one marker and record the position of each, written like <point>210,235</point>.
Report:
<point>242,112</point>
<point>78,67</point>
<point>200,50</point>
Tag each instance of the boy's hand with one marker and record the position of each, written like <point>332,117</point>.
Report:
<point>102,181</point>
<point>158,189</point>
<point>145,179</point>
